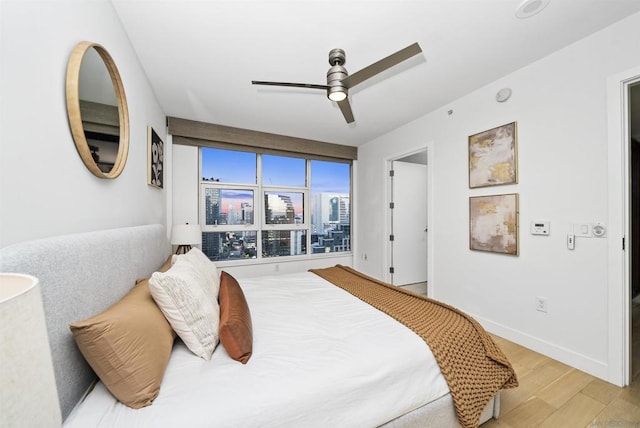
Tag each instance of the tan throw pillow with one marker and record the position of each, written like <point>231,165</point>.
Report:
<point>236,330</point>
<point>128,346</point>
<point>184,298</point>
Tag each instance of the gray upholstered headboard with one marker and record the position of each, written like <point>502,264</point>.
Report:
<point>81,275</point>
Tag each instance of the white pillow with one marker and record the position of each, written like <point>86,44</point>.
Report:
<point>206,268</point>
<point>183,296</point>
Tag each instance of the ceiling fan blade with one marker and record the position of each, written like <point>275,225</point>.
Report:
<point>345,108</point>
<point>295,85</point>
<point>382,65</point>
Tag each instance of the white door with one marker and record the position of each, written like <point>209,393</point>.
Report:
<point>409,223</point>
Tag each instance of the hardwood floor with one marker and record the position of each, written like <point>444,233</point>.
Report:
<point>554,395</point>
<point>418,287</point>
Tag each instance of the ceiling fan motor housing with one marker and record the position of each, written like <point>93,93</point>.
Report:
<point>336,74</point>
<point>337,57</point>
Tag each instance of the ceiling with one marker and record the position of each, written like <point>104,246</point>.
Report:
<point>200,56</point>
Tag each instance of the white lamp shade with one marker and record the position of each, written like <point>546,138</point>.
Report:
<point>28,394</point>
<point>186,234</point>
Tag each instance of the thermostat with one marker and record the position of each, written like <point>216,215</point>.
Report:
<point>540,227</point>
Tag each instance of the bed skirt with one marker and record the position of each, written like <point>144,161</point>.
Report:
<point>440,413</point>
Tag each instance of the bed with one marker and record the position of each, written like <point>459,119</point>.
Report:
<point>322,356</point>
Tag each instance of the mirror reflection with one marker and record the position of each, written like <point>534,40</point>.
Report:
<point>97,110</point>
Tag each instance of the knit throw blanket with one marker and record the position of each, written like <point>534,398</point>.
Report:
<point>472,364</point>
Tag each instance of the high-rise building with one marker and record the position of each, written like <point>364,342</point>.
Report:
<point>328,210</point>
<point>345,210</point>
<point>279,209</point>
<point>211,244</point>
<point>212,206</point>
<point>246,216</point>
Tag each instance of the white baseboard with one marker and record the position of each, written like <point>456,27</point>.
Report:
<point>581,362</point>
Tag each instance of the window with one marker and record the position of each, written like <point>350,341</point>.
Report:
<point>230,245</point>
<point>258,206</point>
<point>228,206</point>
<point>283,171</point>
<point>283,207</point>
<point>228,166</point>
<point>330,207</point>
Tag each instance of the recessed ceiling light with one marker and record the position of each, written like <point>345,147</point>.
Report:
<point>528,8</point>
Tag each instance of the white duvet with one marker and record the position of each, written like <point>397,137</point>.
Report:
<point>321,358</point>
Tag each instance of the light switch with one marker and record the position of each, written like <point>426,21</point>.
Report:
<point>582,230</point>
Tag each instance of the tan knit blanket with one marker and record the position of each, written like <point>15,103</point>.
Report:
<point>472,364</point>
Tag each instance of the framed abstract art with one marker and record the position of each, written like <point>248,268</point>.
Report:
<point>493,157</point>
<point>493,223</point>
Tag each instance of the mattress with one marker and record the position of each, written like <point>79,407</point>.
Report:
<point>321,357</point>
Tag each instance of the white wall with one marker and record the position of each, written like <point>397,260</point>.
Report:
<point>560,105</point>
<point>185,184</point>
<point>45,189</point>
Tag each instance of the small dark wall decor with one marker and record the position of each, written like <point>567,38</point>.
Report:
<point>155,159</point>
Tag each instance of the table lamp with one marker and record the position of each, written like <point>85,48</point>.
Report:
<point>28,394</point>
<point>185,235</point>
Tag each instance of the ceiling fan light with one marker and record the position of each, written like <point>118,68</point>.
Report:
<point>337,95</point>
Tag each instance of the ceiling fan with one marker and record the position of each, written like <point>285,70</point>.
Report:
<point>339,81</point>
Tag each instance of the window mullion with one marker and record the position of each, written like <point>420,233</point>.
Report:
<point>259,219</point>
<point>307,206</point>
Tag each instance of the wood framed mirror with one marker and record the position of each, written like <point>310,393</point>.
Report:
<point>97,110</point>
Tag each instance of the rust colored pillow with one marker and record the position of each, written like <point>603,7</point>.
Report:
<point>236,331</point>
<point>128,346</point>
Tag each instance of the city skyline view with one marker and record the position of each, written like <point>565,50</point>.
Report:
<point>238,196</point>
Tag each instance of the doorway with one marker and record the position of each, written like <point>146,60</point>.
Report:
<point>408,220</point>
<point>621,258</point>
<point>634,227</point>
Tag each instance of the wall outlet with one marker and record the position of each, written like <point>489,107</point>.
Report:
<point>542,304</point>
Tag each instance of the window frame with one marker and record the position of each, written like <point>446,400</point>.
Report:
<point>224,227</point>
<point>285,226</point>
<point>259,210</point>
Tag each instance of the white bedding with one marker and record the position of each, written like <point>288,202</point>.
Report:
<point>321,358</point>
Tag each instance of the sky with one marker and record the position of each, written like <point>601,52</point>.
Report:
<point>240,168</point>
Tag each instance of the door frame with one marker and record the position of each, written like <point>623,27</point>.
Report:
<point>428,147</point>
<point>619,306</point>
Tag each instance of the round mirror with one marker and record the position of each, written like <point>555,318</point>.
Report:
<point>97,109</point>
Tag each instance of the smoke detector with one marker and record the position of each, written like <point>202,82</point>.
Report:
<point>528,8</point>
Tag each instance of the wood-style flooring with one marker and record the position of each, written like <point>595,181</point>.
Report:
<point>418,287</point>
<point>552,394</point>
